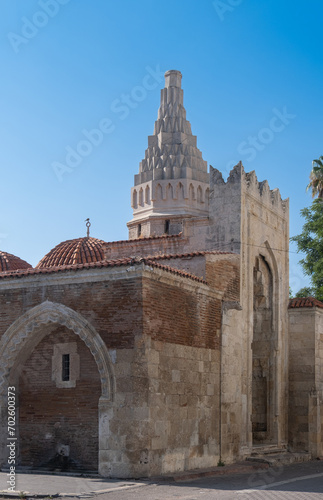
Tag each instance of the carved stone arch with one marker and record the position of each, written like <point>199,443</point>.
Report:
<point>207,196</point>
<point>191,192</point>
<point>141,197</point>
<point>134,199</point>
<point>180,195</point>
<point>199,194</point>
<point>271,258</point>
<point>147,195</point>
<point>267,252</point>
<point>25,333</point>
<point>20,333</point>
<point>159,192</point>
<point>169,192</point>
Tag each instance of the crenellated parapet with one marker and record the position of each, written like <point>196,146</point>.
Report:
<point>250,186</point>
<point>261,190</point>
<point>244,211</point>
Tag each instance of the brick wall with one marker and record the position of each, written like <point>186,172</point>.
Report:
<point>112,307</point>
<point>51,416</point>
<point>129,314</point>
<point>223,274</point>
<point>181,331</point>
<point>193,265</point>
<point>181,316</point>
<point>145,246</point>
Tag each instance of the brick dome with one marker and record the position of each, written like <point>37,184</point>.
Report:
<point>78,251</point>
<point>9,262</point>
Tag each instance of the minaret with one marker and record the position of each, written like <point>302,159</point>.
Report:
<point>173,182</point>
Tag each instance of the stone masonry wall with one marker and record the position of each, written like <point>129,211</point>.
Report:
<point>233,387</point>
<point>306,380</point>
<point>248,218</point>
<point>167,386</point>
<point>301,375</point>
<point>183,407</point>
<point>182,341</point>
<point>223,273</point>
<point>132,309</point>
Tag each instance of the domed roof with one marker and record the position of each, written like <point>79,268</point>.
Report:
<point>78,251</point>
<point>9,262</point>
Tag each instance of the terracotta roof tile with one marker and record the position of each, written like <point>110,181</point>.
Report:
<point>9,262</point>
<point>104,263</point>
<point>188,255</point>
<point>173,270</point>
<point>78,251</point>
<point>299,302</point>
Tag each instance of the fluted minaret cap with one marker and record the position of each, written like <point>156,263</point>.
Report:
<point>172,151</point>
<point>173,181</point>
<point>173,78</point>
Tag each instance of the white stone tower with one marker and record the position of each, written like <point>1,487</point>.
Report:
<point>173,182</point>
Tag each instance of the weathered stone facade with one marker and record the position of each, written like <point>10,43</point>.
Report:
<point>147,349</point>
<point>306,376</point>
<point>171,350</point>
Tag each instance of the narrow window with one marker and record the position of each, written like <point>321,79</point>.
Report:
<point>167,224</point>
<point>139,230</point>
<point>65,367</point>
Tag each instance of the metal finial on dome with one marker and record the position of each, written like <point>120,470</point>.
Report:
<point>88,225</point>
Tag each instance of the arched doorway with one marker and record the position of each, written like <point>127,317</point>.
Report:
<point>78,403</point>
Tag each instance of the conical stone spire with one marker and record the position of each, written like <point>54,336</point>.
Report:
<point>172,152</point>
<point>173,180</point>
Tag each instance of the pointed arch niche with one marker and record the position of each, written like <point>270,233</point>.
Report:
<point>21,340</point>
<point>265,383</point>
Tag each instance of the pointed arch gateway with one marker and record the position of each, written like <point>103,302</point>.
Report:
<point>28,331</point>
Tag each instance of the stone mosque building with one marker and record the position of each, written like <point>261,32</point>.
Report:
<point>171,350</point>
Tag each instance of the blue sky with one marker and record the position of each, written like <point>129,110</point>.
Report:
<point>67,65</point>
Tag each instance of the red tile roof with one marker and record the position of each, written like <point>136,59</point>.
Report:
<point>78,251</point>
<point>98,264</point>
<point>173,270</point>
<point>299,302</point>
<point>9,262</point>
<point>187,255</point>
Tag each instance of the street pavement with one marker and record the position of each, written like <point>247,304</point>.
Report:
<point>62,485</point>
<point>302,481</point>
